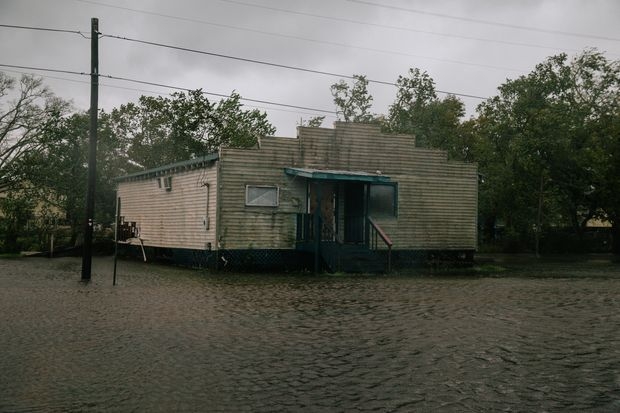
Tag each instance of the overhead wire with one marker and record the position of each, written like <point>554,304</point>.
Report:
<point>264,32</point>
<point>143,82</point>
<point>166,86</point>
<point>487,22</point>
<point>220,55</point>
<point>42,69</point>
<point>44,29</point>
<point>255,61</point>
<point>151,92</point>
<point>262,62</point>
<point>391,27</point>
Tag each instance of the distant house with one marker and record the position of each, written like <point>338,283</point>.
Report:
<point>343,199</point>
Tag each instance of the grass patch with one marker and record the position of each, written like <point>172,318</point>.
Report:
<point>10,255</point>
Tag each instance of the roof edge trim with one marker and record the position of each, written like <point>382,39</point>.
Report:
<point>170,168</point>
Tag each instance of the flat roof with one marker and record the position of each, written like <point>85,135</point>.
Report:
<point>335,175</point>
<point>170,168</point>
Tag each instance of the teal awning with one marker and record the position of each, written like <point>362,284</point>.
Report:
<point>333,175</point>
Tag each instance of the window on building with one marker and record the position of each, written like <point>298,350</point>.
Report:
<point>165,183</point>
<point>256,195</point>
<point>383,200</point>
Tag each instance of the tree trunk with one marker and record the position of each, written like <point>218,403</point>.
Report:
<point>539,215</point>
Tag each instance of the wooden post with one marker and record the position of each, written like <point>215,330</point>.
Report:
<point>317,230</point>
<point>118,221</point>
<point>539,215</point>
<point>92,152</point>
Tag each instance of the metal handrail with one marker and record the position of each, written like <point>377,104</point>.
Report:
<point>377,230</point>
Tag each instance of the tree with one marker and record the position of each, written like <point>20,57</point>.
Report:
<point>27,109</point>
<point>56,174</point>
<point>353,102</point>
<point>436,123</point>
<point>161,130</point>
<point>229,125</point>
<point>314,122</point>
<point>16,210</point>
<point>544,159</point>
<point>610,175</point>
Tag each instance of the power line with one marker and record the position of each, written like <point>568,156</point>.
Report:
<point>344,45</point>
<point>261,62</point>
<point>42,69</point>
<point>153,92</point>
<point>44,29</point>
<point>399,28</point>
<point>86,82</point>
<point>143,82</point>
<point>185,49</point>
<point>487,22</point>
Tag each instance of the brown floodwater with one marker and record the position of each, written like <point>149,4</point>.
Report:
<point>543,338</point>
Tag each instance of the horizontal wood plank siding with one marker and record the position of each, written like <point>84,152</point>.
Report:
<point>252,227</point>
<point>437,199</point>
<point>434,213</point>
<point>175,218</point>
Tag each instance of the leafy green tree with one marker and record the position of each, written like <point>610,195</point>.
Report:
<point>436,123</point>
<point>153,132</point>
<point>353,101</point>
<point>161,130</point>
<point>609,174</point>
<point>15,211</point>
<point>542,158</point>
<point>314,122</point>
<point>232,126</point>
<point>57,173</point>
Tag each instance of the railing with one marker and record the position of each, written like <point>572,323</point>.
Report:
<point>331,250</point>
<point>374,233</point>
<point>305,229</point>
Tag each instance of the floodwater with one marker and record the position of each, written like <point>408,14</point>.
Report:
<point>167,339</point>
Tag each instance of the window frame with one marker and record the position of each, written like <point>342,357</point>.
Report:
<point>394,213</point>
<point>277,189</point>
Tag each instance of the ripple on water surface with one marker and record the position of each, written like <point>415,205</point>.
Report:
<point>167,339</point>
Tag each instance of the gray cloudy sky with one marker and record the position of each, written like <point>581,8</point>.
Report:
<point>467,46</point>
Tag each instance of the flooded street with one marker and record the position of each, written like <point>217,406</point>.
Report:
<point>168,339</point>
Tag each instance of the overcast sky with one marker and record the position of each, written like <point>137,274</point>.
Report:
<point>469,46</point>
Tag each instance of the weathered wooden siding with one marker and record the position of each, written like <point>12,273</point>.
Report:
<point>175,218</point>
<point>251,227</point>
<point>437,199</point>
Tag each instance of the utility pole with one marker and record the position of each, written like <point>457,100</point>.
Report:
<point>92,150</point>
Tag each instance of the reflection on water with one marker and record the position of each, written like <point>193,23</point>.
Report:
<point>168,339</point>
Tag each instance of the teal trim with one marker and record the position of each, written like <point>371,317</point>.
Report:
<point>173,167</point>
<point>329,175</point>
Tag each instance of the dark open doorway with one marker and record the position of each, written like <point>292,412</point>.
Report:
<point>354,197</point>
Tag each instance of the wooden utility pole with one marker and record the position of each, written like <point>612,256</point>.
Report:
<point>92,152</point>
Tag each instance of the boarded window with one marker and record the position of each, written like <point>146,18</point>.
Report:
<point>262,195</point>
<point>382,200</point>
